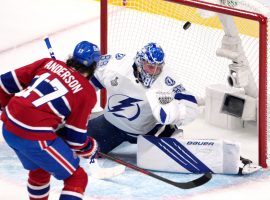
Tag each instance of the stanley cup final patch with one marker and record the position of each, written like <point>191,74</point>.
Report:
<point>114,82</point>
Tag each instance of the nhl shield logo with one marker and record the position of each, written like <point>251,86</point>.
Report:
<point>119,56</point>
<point>114,82</point>
<point>169,81</point>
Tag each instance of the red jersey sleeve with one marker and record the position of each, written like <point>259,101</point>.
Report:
<point>14,81</point>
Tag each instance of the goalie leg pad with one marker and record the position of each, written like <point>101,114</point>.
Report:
<point>188,156</point>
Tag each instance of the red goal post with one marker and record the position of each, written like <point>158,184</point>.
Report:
<point>120,32</point>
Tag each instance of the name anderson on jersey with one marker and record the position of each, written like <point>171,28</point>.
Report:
<point>65,75</point>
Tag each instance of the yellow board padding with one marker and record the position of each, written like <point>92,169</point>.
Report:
<point>185,13</point>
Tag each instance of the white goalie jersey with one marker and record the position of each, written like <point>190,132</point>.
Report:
<point>135,109</point>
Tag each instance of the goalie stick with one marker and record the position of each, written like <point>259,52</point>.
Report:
<point>94,168</point>
<point>183,185</point>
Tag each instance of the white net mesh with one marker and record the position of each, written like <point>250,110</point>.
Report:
<point>191,53</point>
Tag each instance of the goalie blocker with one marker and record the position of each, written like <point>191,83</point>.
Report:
<point>192,156</point>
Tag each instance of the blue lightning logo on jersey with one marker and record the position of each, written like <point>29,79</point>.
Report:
<point>124,106</point>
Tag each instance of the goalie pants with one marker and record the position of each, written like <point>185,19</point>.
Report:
<point>43,158</point>
<point>109,136</point>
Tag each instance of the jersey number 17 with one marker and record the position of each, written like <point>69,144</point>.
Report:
<point>59,90</point>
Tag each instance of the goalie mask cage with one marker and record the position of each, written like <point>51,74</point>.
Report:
<point>127,25</point>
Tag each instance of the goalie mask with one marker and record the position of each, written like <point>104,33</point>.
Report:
<point>149,61</point>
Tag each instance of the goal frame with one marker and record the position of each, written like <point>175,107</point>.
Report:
<point>262,82</point>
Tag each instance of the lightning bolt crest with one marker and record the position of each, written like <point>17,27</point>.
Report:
<point>124,104</point>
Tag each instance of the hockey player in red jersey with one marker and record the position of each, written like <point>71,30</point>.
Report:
<point>53,94</point>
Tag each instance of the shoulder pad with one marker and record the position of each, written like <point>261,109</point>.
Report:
<point>179,89</point>
<point>104,60</point>
<point>119,56</point>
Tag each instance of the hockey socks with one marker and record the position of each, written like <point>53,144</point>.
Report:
<point>74,186</point>
<point>38,185</point>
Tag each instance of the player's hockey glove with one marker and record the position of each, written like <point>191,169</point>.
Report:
<point>90,149</point>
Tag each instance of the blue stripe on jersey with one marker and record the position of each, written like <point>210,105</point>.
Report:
<point>58,103</point>
<point>188,97</point>
<point>74,136</point>
<point>179,153</point>
<point>96,82</point>
<point>162,115</point>
<point>38,192</point>
<point>9,83</point>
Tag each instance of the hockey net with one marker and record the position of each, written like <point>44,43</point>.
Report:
<point>191,54</point>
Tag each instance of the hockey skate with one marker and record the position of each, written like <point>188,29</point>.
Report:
<point>246,166</point>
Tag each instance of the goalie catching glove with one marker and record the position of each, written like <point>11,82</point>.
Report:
<point>89,150</point>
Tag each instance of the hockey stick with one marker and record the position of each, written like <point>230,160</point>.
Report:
<point>183,185</point>
<point>49,47</point>
<point>94,168</point>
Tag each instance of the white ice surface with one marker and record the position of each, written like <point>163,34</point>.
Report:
<point>23,25</point>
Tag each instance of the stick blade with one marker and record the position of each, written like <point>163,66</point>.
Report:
<point>105,173</point>
<point>195,183</point>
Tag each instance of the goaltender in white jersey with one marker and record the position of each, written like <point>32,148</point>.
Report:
<point>144,99</point>
<point>135,108</point>
<point>139,101</point>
